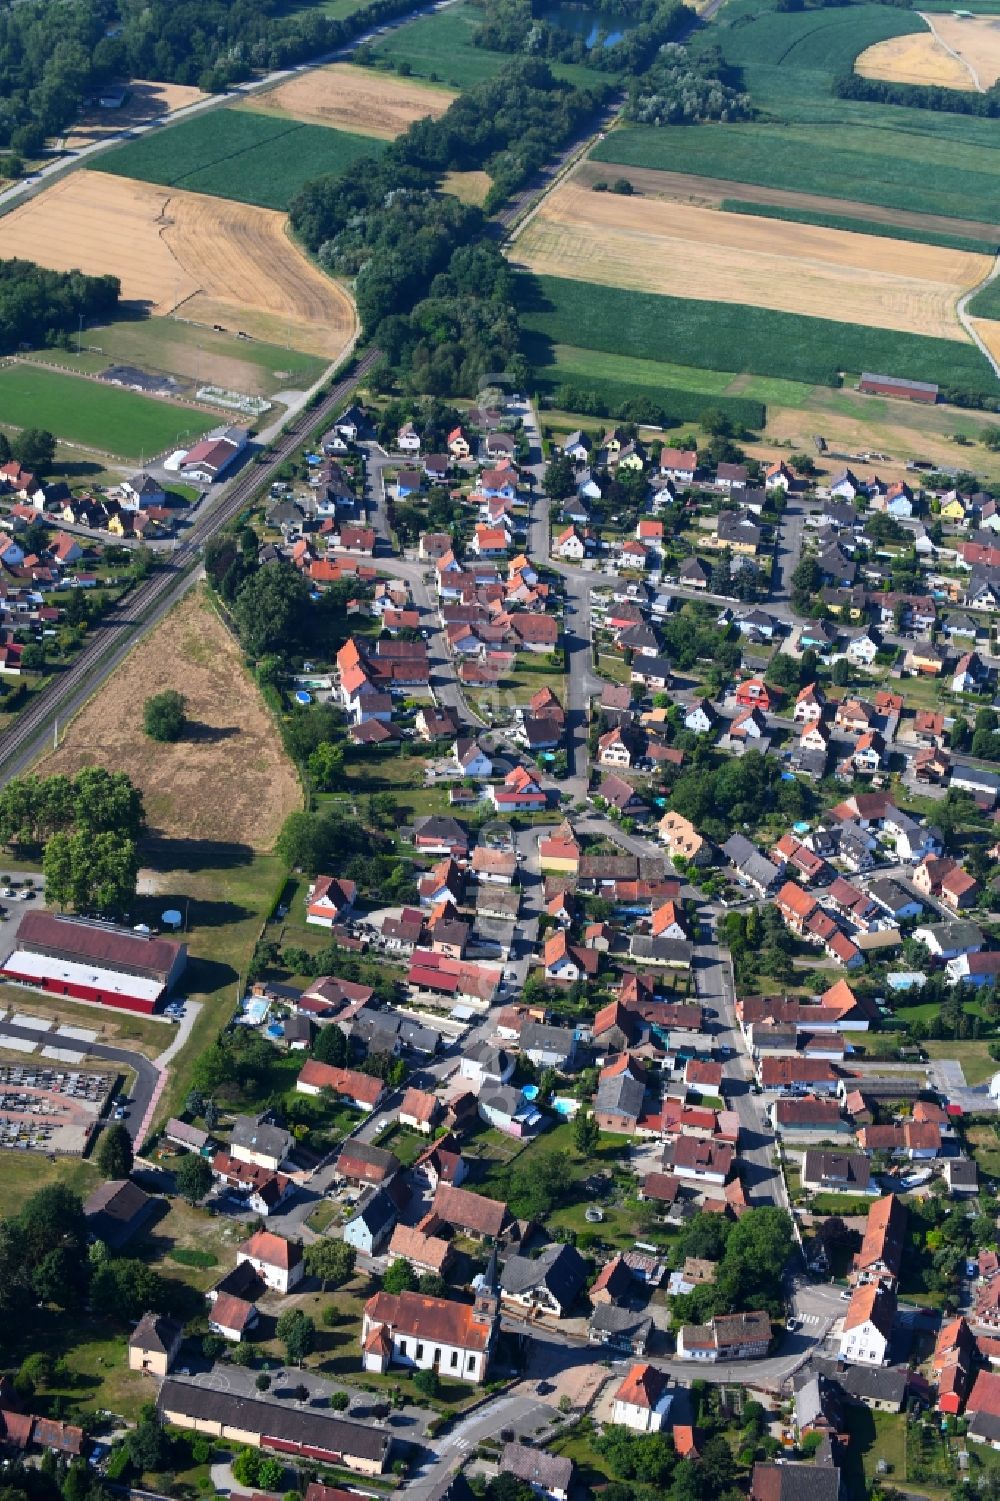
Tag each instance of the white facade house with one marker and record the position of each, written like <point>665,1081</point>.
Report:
<point>642,1401</point>
<point>278,1262</point>
<point>868,1325</point>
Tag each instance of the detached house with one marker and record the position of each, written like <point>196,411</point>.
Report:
<point>278,1262</point>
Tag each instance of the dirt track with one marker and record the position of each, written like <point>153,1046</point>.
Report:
<point>682,250</point>
<point>976,40</point>
<point>216,260</point>
<point>712,190</point>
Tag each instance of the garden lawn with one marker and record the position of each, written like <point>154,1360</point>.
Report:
<point>439,47</point>
<point>721,336</point>
<point>117,422</point>
<point>977,1065</point>
<point>252,158</point>
<point>874,1436</point>
<point>985,1146</point>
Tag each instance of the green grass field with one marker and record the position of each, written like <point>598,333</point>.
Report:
<point>728,336</point>
<point>252,158</point>
<point>440,47</point>
<point>859,226</point>
<point>986,304</point>
<point>97,416</point>
<point>911,169</point>
<point>819,40</point>
<point>681,392</point>
<point>189,351</point>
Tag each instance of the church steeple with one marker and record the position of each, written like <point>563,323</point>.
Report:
<point>487,1302</point>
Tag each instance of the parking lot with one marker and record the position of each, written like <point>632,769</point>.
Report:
<point>50,1110</point>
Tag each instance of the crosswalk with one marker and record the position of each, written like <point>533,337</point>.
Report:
<point>811,1318</point>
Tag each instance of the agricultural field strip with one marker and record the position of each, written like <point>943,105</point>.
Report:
<point>721,335</point>
<point>220,261</point>
<point>712,191</point>
<point>890,167</point>
<point>646,246</point>
<point>352,99</point>
<point>244,155</point>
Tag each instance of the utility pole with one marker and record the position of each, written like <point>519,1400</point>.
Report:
<point>79,336</point>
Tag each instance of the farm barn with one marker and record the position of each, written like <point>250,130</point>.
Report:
<point>94,961</point>
<point>905,390</point>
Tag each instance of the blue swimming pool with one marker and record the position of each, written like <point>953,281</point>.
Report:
<point>565,1107</point>
<point>530,1091</point>
<point>275,1029</point>
<point>302,697</point>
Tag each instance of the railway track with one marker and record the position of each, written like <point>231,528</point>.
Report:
<point>145,605</point>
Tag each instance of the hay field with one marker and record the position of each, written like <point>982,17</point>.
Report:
<point>147,101</point>
<point>918,58</point>
<point>216,260</point>
<point>977,42</point>
<point>353,99</point>
<point>228,779</point>
<point>680,250</point>
<point>467,187</point>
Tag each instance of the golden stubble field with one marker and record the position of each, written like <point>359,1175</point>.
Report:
<point>354,99</point>
<point>917,58</point>
<point>228,779</point>
<point>214,260</point>
<point>976,39</point>
<point>146,101</point>
<point>682,250</point>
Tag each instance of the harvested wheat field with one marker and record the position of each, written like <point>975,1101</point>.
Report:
<point>228,779</point>
<point>146,101</point>
<point>916,58</point>
<point>976,40</point>
<point>215,260</point>
<point>988,330</point>
<point>354,99</point>
<point>679,250</point>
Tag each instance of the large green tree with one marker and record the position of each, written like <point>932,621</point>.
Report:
<point>114,1152</point>
<point>271,610</point>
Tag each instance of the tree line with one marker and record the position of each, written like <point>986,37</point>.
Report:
<point>427,284</point>
<point>37,306</point>
<point>919,95</point>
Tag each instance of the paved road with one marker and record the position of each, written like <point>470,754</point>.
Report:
<point>521,1413</point>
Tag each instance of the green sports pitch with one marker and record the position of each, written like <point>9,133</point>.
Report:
<point>94,415</point>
